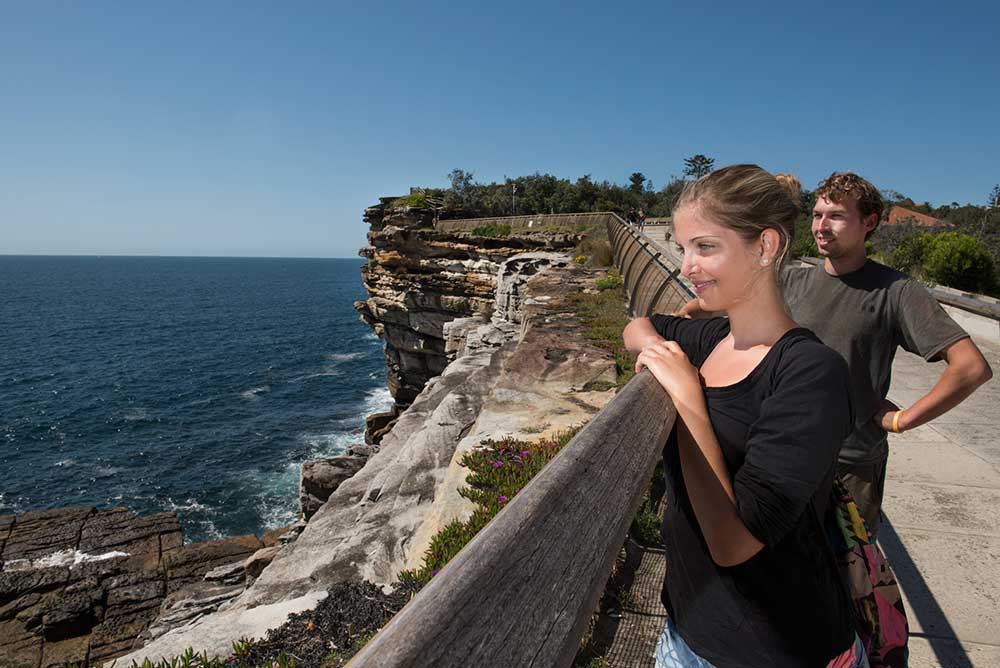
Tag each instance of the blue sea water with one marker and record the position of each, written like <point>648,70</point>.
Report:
<point>197,385</point>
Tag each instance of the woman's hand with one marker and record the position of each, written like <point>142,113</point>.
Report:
<point>671,367</point>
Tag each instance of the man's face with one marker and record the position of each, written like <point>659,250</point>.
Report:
<point>839,229</point>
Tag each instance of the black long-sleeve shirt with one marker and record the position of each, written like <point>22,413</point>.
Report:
<point>780,430</point>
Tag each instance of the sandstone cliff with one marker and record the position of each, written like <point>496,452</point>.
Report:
<point>418,278</point>
<point>471,365</point>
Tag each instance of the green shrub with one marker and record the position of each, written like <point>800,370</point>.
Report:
<point>416,200</point>
<point>908,255</point>
<point>498,471</point>
<point>610,282</point>
<point>597,251</point>
<point>961,262</point>
<point>645,528</point>
<point>190,659</point>
<point>492,230</point>
<point>603,317</point>
<point>804,245</point>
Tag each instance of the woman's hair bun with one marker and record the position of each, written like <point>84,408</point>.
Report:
<point>791,185</point>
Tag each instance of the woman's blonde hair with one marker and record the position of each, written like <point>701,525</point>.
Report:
<point>748,200</point>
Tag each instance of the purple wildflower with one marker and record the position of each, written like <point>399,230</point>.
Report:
<point>525,454</point>
<point>502,499</point>
<point>434,572</point>
<point>497,464</point>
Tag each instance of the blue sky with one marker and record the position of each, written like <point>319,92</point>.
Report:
<point>211,128</point>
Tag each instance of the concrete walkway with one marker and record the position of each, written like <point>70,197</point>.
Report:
<point>941,534</point>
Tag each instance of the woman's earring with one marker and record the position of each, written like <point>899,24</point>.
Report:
<point>764,261</point>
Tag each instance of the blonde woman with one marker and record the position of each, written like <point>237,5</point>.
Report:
<point>762,408</point>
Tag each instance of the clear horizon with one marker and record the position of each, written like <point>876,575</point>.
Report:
<point>252,130</point>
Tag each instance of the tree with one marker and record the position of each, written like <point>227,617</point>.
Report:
<point>995,196</point>
<point>698,165</point>
<point>638,182</point>
<point>668,196</point>
<point>588,192</point>
<point>461,185</point>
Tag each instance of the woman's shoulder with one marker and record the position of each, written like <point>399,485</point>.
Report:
<point>801,351</point>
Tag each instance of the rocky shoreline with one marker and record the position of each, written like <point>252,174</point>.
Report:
<point>80,584</point>
<point>481,342</point>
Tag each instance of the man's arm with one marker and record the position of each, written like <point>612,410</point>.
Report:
<point>967,369</point>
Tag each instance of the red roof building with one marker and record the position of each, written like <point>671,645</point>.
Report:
<point>898,214</point>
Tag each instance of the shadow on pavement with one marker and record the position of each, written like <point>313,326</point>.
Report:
<point>933,621</point>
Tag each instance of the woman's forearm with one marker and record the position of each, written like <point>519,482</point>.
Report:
<point>639,334</point>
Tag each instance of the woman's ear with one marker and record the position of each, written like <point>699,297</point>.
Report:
<point>770,242</point>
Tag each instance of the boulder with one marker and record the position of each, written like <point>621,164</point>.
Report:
<point>321,478</point>
<point>258,561</point>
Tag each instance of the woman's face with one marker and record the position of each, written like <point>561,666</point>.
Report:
<point>722,266</point>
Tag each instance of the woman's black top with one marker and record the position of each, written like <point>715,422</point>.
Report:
<point>780,430</point>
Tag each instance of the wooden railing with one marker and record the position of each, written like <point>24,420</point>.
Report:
<point>650,275</point>
<point>522,592</point>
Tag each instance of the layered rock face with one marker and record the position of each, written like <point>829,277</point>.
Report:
<point>525,372</point>
<point>78,585</point>
<point>419,278</point>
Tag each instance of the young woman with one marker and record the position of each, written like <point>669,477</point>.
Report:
<point>762,408</point>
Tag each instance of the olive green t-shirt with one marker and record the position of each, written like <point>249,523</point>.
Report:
<point>864,316</point>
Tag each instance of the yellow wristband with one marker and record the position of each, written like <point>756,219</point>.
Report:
<point>895,421</point>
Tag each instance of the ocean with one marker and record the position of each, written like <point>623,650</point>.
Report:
<point>194,385</point>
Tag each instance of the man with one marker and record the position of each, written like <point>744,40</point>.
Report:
<point>865,311</point>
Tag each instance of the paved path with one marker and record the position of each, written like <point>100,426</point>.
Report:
<point>942,534</point>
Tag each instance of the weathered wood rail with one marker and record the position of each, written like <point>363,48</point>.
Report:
<point>650,275</point>
<point>522,592</point>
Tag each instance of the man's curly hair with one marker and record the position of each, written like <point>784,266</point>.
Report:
<point>839,185</point>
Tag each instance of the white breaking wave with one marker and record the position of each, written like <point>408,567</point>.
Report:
<point>189,505</point>
<point>377,400</point>
<point>135,414</point>
<point>10,506</point>
<point>344,357</point>
<point>333,444</point>
<point>253,392</point>
<point>319,374</point>
<point>69,558</point>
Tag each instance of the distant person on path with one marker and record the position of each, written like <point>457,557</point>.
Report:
<point>641,219</point>
<point>865,311</point>
<point>762,410</point>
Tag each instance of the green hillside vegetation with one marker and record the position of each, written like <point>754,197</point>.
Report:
<point>544,193</point>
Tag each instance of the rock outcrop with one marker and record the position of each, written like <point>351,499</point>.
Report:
<point>78,585</point>
<point>321,478</point>
<point>419,278</point>
<point>526,372</point>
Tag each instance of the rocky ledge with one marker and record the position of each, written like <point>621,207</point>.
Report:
<point>79,585</point>
<point>418,278</point>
